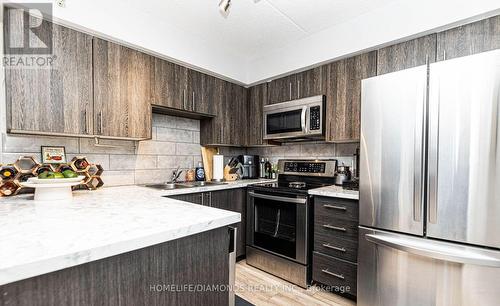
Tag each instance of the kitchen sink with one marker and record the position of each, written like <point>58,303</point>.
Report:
<point>200,184</point>
<point>170,186</point>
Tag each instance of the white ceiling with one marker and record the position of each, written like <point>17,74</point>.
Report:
<point>261,39</point>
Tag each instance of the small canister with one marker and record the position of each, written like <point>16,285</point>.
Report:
<point>190,176</point>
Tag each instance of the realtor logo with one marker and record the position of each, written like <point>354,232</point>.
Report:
<point>28,31</point>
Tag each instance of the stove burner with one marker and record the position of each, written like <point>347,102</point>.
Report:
<point>297,185</point>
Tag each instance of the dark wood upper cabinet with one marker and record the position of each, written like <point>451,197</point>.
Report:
<point>282,89</point>
<point>122,95</point>
<point>57,99</point>
<point>469,39</point>
<point>237,115</point>
<point>257,98</point>
<point>406,55</point>
<point>201,93</point>
<point>311,82</point>
<point>344,96</point>
<point>169,84</point>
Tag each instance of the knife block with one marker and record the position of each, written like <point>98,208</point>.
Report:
<point>230,176</point>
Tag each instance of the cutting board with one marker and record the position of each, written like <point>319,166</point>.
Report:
<point>208,157</point>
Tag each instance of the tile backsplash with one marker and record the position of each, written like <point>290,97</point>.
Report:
<point>175,142</point>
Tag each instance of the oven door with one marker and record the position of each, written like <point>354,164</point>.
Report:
<point>278,223</point>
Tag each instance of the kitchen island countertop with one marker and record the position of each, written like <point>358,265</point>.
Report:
<point>42,237</point>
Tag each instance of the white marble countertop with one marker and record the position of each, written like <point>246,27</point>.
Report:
<point>335,192</point>
<point>42,237</point>
<point>226,185</point>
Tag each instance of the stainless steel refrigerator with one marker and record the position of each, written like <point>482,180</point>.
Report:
<point>430,185</point>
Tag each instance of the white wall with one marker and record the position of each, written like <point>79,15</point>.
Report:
<point>398,21</point>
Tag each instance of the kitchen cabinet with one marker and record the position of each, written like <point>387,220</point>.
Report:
<point>228,127</point>
<point>257,98</point>
<point>343,79</point>
<point>406,55</point>
<point>335,250</point>
<point>200,92</point>
<point>311,82</point>
<point>122,96</point>
<point>53,100</point>
<point>469,39</point>
<point>282,89</point>
<point>169,84</point>
<point>230,199</point>
<point>296,86</point>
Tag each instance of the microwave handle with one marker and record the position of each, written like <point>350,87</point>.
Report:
<point>303,119</point>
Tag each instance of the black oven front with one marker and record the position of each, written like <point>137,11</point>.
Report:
<point>278,223</point>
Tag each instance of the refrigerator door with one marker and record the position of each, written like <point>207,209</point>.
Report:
<point>397,269</point>
<point>464,150</point>
<point>392,151</point>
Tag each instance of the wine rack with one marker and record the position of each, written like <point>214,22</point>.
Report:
<point>11,175</point>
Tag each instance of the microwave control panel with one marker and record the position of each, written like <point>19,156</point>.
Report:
<point>305,167</point>
<point>315,118</point>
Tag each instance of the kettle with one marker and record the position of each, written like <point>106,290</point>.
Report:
<point>343,174</point>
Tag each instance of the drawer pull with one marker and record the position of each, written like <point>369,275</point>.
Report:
<point>327,245</point>
<point>342,229</point>
<point>333,274</point>
<point>335,207</point>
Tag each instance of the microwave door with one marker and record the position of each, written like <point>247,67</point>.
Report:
<point>285,124</point>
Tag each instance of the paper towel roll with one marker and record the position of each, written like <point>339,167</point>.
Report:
<point>218,167</point>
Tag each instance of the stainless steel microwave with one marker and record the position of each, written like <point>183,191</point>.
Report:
<point>300,119</point>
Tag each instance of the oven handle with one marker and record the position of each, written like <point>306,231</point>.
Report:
<point>276,198</point>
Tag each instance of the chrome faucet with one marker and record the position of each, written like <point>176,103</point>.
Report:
<point>175,175</point>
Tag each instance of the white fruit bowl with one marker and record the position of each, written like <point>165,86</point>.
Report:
<point>53,189</point>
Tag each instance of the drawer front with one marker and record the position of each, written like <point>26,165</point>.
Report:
<point>336,228</point>
<point>332,245</point>
<point>336,208</point>
<point>339,274</point>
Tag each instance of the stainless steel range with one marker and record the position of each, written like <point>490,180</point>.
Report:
<point>279,219</point>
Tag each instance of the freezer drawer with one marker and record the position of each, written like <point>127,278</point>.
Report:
<point>396,269</point>
<point>464,150</point>
<point>393,150</point>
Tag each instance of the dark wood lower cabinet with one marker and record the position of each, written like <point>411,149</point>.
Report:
<point>229,199</point>
<point>336,244</point>
<point>154,275</point>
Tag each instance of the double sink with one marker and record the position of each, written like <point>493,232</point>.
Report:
<point>170,186</point>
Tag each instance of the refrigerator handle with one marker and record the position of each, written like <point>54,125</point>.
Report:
<point>419,166</point>
<point>432,170</point>
<point>437,250</point>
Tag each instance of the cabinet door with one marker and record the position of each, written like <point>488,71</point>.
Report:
<point>344,96</point>
<point>469,39</point>
<point>233,200</point>
<point>211,130</point>
<point>201,92</point>
<point>57,99</point>
<point>169,84</point>
<point>282,89</point>
<point>121,91</point>
<point>311,83</point>
<point>236,112</point>
<point>406,55</point>
<point>196,198</point>
<point>257,100</point>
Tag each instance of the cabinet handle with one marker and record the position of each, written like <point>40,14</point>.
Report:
<point>298,89</point>
<point>341,229</point>
<point>329,246</point>
<point>335,207</point>
<point>100,122</point>
<point>192,102</point>
<point>210,197</point>
<point>202,198</point>
<point>184,99</point>
<point>86,121</point>
<point>290,90</point>
<point>333,274</point>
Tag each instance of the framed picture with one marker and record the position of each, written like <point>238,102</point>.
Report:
<point>53,155</point>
